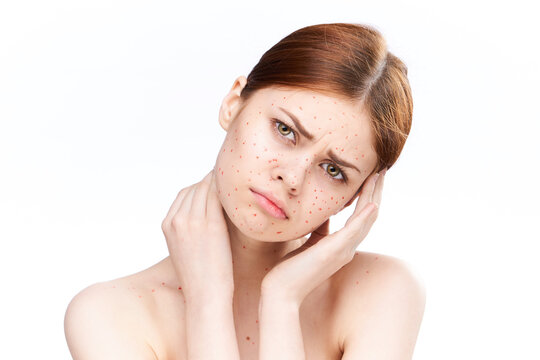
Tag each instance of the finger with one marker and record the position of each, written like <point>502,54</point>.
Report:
<point>377,194</point>
<point>185,207</point>
<point>198,205</point>
<point>175,205</point>
<point>357,227</point>
<point>214,209</point>
<point>322,231</point>
<point>366,194</point>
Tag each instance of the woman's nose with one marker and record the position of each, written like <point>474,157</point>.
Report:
<point>291,176</point>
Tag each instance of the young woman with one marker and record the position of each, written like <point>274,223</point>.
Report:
<point>314,126</point>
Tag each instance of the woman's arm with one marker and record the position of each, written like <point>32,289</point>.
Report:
<point>280,333</point>
<point>210,328</point>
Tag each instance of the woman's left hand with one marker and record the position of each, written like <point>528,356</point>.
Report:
<point>322,255</point>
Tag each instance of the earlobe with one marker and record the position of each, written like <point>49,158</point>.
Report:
<point>231,104</point>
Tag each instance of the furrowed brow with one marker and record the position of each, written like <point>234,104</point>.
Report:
<point>310,136</point>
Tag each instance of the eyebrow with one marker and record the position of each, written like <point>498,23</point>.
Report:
<point>310,136</point>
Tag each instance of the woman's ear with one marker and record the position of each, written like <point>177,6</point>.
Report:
<point>231,104</point>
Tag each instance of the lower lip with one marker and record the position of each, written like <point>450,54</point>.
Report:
<point>269,206</point>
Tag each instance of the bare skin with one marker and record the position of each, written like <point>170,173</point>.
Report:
<point>145,313</point>
<point>152,298</point>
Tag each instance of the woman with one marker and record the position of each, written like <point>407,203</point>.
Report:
<point>313,127</point>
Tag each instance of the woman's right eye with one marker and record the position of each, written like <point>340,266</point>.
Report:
<point>284,129</point>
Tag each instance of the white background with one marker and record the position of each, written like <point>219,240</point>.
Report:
<point>109,108</point>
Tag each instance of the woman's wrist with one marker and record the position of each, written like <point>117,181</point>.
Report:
<point>209,297</point>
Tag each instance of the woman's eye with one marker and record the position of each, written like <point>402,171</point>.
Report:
<point>333,171</point>
<point>284,129</point>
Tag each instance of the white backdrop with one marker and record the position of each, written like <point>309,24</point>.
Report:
<point>104,106</point>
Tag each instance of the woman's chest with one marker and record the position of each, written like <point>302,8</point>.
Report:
<point>317,321</point>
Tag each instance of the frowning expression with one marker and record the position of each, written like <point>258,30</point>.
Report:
<point>306,151</point>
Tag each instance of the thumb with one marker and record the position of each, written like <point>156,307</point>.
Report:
<point>320,232</point>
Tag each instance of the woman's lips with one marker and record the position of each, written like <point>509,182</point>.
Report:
<point>269,206</point>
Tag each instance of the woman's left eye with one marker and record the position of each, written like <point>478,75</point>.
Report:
<point>334,169</point>
<point>284,129</point>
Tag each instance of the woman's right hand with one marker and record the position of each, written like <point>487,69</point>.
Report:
<point>198,241</point>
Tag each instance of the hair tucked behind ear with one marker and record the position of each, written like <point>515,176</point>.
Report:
<point>349,61</point>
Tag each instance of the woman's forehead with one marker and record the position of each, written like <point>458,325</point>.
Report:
<point>290,94</point>
<point>320,114</point>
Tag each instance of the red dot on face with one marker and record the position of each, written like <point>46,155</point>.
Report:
<point>300,107</point>
<point>306,221</point>
<point>243,246</point>
<point>367,271</point>
<point>153,290</point>
<point>179,288</point>
<point>254,214</point>
<point>247,337</point>
<point>278,232</point>
<point>362,155</point>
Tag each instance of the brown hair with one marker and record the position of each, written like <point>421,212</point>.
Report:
<point>350,61</point>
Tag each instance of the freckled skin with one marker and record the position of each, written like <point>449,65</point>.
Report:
<point>306,187</point>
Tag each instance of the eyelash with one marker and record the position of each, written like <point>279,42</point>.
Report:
<point>281,136</point>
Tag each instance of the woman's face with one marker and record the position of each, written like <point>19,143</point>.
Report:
<point>280,144</point>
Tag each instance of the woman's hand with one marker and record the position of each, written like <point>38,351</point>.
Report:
<point>322,254</point>
<point>198,241</point>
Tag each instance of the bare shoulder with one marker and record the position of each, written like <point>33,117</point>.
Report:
<point>112,319</point>
<point>383,293</point>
